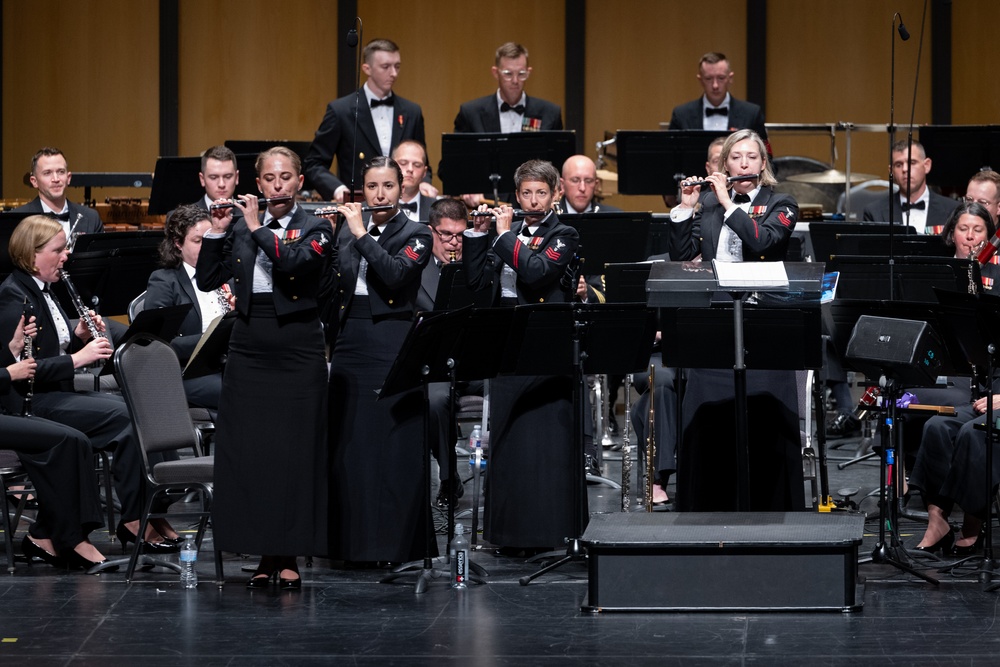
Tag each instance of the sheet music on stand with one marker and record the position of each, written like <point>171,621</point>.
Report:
<point>750,275</point>
<point>213,344</point>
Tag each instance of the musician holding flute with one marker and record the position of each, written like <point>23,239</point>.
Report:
<point>271,432</point>
<point>38,251</point>
<point>378,512</point>
<point>533,460</point>
<point>741,220</point>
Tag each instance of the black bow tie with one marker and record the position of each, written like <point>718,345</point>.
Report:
<point>61,216</point>
<point>525,232</point>
<point>45,289</point>
<point>387,102</point>
<point>274,224</point>
<point>374,231</point>
<point>518,109</point>
<point>716,111</point>
<point>919,205</point>
<point>741,198</point>
<point>409,206</point>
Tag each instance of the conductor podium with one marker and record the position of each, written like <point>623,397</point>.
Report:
<point>751,558</point>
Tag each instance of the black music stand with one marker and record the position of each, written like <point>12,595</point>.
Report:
<point>824,235</point>
<point>112,268</point>
<point>676,286</point>
<point>453,291</point>
<point>912,278</point>
<point>607,338</point>
<point>175,181</point>
<point>649,160</point>
<point>164,323</point>
<point>486,162</point>
<point>610,238</point>
<point>444,347</point>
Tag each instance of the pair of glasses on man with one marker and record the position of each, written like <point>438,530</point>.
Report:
<point>448,236</point>
<point>510,75</point>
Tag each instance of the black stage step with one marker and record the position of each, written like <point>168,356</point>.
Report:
<point>689,561</point>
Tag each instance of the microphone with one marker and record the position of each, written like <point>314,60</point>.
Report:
<point>904,34</point>
<point>352,37</point>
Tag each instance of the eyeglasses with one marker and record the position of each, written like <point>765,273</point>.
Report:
<point>508,75</point>
<point>985,202</point>
<point>576,180</point>
<point>448,236</point>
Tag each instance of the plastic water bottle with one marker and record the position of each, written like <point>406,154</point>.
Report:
<point>458,555</point>
<point>188,557</point>
<point>476,447</point>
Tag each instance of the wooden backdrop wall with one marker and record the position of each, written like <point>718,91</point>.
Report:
<point>94,91</point>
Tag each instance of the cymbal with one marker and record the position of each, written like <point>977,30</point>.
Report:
<point>831,177</point>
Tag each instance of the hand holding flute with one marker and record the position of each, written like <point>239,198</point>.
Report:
<point>503,215</point>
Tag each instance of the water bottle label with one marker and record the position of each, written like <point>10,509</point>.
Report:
<point>188,556</point>
<point>460,564</point>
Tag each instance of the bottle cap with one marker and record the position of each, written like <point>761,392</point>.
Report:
<point>459,529</point>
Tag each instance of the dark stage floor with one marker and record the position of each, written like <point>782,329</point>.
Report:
<point>348,617</point>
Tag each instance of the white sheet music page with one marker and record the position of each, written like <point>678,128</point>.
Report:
<point>750,275</point>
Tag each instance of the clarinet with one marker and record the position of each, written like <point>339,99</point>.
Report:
<point>81,309</point>
<point>27,353</point>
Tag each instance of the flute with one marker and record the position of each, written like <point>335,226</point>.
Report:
<point>365,208</point>
<point>518,213</point>
<point>280,199</point>
<point>731,179</point>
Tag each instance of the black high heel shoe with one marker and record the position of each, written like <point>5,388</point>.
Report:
<point>78,562</point>
<point>944,545</point>
<point>32,550</point>
<point>257,582</point>
<point>290,584</point>
<point>970,550</point>
<point>125,536</point>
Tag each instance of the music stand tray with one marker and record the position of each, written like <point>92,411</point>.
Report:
<point>469,160</point>
<point>648,160</point>
<point>453,292</point>
<point>164,323</point>
<point>610,238</point>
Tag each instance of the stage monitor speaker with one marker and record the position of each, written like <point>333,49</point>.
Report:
<point>907,351</point>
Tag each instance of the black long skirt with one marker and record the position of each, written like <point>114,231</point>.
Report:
<point>706,459</point>
<point>378,508</point>
<point>533,464</point>
<point>271,459</point>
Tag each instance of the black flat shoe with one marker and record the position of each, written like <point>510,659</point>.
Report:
<point>258,582</point>
<point>290,584</point>
<point>32,551</point>
<point>943,545</point>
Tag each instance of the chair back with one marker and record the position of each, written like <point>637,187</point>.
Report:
<point>136,306</point>
<point>150,377</point>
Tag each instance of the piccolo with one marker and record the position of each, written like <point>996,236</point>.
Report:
<point>731,179</point>
<point>365,208</point>
<point>518,213</point>
<point>280,199</point>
